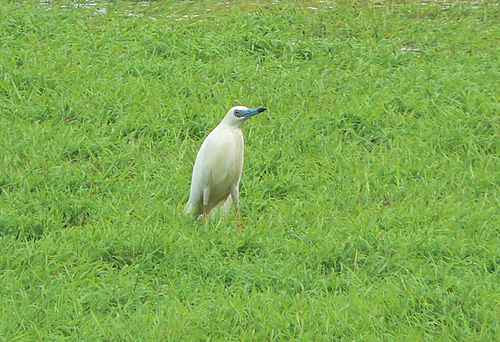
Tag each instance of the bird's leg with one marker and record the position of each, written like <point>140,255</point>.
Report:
<point>235,197</point>
<point>206,195</point>
<point>238,219</point>
<point>226,207</point>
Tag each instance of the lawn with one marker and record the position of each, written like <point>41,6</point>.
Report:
<point>370,191</point>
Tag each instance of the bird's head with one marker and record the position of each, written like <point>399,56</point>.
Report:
<point>239,114</point>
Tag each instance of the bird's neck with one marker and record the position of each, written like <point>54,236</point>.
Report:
<point>230,124</point>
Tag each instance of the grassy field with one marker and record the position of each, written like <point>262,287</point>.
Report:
<point>370,191</point>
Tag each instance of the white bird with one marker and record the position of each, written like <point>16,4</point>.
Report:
<point>218,165</point>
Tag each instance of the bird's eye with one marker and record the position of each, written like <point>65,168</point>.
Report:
<point>237,112</point>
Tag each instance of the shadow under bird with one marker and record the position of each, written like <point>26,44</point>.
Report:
<point>218,165</point>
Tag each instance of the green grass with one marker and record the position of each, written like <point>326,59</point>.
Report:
<point>370,190</point>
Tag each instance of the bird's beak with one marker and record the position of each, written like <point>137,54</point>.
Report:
<point>251,112</point>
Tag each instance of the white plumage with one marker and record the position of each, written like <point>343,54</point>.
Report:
<point>218,164</point>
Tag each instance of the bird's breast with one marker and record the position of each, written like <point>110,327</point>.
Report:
<point>228,157</point>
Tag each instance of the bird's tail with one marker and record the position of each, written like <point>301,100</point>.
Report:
<point>189,208</point>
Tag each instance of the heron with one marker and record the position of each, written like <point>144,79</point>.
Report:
<point>218,165</point>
